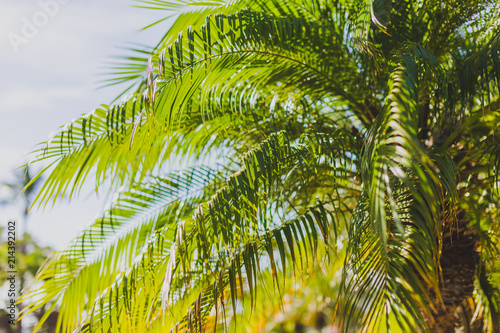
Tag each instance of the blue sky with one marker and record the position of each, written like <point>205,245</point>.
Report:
<point>51,58</point>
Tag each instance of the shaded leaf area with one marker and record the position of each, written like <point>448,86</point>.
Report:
<point>395,235</point>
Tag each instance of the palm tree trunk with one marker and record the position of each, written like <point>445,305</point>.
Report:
<point>459,258</point>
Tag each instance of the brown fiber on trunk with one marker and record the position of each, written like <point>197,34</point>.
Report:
<point>458,261</point>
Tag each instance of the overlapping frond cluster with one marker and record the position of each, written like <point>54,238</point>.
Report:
<point>147,235</point>
<point>184,88</point>
<point>339,139</point>
<point>406,187</point>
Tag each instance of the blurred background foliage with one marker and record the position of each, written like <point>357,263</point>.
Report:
<point>29,256</point>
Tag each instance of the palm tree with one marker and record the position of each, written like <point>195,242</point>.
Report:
<point>269,151</point>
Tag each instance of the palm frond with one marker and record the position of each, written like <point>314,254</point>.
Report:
<point>204,246</point>
<point>228,49</point>
<point>114,242</point>
<point>404,189</point>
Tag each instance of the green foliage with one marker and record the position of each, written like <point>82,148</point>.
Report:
<point>338,141</point>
